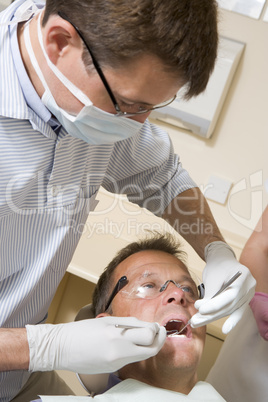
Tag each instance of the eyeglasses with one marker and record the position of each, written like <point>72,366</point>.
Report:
<point>123,110</point>
<point>149,286</point>
<point>123,281</point>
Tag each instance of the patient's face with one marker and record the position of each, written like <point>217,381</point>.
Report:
<point>172,307</point>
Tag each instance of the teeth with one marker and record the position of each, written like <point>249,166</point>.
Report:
<point>176,335</point>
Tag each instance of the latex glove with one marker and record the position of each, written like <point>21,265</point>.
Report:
<point>92,346</point>
<point>221,266</point>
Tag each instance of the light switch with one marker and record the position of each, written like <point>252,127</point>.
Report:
<point>217,189</point>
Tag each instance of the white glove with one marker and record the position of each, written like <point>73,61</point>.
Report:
<point>92,346</point>
<point>221,266</point>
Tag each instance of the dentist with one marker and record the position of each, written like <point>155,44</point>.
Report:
<point>78,81</point>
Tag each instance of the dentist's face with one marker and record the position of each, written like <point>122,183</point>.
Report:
<point>142,82</point>
<point>171,308</point>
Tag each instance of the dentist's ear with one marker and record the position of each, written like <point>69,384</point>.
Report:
<point>59,38</point>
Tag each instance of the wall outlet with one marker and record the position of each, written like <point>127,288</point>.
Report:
<point>217,189</point>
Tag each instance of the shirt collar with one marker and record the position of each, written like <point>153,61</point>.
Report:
<point>16,90</point>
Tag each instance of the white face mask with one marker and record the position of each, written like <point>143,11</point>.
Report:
<point>92,124</point>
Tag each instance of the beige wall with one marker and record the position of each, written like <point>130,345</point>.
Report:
<point>238,147</point>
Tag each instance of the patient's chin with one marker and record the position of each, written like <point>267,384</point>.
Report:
<point>179,352</point>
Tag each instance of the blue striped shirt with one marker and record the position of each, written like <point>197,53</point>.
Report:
<point>48,184</point>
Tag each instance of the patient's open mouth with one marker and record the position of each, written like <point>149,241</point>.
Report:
<point>173,328</point>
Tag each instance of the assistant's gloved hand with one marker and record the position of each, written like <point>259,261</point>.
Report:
<point>92,346</point>
<point>259,307</point>
<point>221,266</point>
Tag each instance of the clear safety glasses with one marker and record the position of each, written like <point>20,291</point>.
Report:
<point>151,282</point>
<point>125,110</point>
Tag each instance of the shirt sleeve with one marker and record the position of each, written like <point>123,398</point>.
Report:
<point>147,170</point>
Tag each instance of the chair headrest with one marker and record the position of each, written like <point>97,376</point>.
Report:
<point>85,313</point>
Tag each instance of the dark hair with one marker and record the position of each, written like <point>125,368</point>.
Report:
<point>154,241</point>
<point>181,33</point>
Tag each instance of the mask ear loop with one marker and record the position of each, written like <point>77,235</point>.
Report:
<point>34,62</point>
<point>76,92</point>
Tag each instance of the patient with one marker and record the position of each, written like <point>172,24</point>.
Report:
<point>150,281</point>
<point>241,369</point>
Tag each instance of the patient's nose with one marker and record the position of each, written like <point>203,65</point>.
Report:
<point>174,294</point>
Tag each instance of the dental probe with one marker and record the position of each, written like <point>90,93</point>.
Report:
<point>223,287</point>
<point>133,326</point>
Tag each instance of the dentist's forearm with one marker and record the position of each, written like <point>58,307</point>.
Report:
<point>14,349</point>
<point>190,214</point>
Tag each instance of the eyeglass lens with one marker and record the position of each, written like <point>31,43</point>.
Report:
<point>151,287</point>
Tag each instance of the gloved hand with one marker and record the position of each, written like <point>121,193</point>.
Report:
<point>92,346</point>
<point>221,266</point>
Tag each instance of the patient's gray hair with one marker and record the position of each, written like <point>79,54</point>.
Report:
<point>153,241</point>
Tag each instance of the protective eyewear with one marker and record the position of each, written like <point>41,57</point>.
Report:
<point>123,110</point>
<point>150,285</point>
